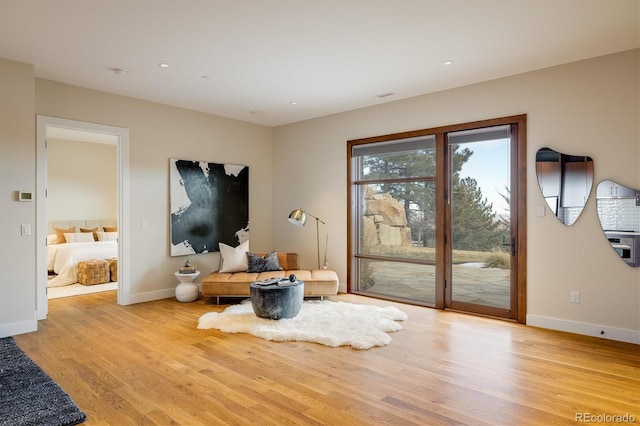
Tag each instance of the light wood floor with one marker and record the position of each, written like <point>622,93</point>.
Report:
<point>148,364</point>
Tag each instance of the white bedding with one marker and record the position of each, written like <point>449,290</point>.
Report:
<point>63,259</point>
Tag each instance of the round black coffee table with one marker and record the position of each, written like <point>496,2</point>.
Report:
<point>276,301</point>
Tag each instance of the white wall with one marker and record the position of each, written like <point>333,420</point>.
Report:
<point>156,134</point>
<point>588,108</point>
<point>82,181</point>
<point>17,172</point>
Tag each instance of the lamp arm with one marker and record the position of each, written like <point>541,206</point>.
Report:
<point>316,218</point>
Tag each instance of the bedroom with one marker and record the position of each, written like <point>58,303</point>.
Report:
<point>81,197</point>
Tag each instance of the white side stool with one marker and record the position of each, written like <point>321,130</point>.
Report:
<point>187,290</point>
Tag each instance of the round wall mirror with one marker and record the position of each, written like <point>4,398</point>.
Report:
<point>565,182</point>
<point>619,214</point>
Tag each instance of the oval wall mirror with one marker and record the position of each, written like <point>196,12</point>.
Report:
<point>619,214</point>
<point>565,182</point>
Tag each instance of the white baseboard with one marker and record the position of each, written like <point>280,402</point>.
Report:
<point>16,328</point>
<point>150,296</point>
<point>603,331</point>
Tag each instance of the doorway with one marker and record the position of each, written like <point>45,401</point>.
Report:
<point>120,136</point>
<point>437,217</point>
<point>482,222</point>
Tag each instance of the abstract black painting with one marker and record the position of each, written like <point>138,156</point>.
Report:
<point>209,205</point>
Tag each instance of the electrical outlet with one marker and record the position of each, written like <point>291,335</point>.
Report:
<point>25,230</point>
<point>575,297</point>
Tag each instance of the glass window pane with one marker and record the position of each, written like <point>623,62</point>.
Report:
<point>395,146</point>
<point>400,280</point>
<point>398,220</point>
<point>480,222</point>
<point>380,164</point>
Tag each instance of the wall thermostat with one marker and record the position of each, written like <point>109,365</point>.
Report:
<point>25,196</point>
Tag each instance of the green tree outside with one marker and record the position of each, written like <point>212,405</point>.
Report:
<point>474,223</point>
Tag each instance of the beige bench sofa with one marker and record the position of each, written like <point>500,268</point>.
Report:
<point>317,282</point>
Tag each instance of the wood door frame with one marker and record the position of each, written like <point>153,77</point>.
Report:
<point>42,123</point>
<point>517,308</point>
<point>518,125</point>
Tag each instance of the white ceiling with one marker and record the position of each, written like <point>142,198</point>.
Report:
<point>327,56</point>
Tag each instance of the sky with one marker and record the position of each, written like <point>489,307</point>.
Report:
<point>489,166</point>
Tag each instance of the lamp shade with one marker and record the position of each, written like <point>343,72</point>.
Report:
<point>298,217</point>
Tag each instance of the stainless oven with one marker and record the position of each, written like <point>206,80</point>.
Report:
<point>626,245</point>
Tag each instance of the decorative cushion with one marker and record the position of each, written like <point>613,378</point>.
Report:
<point>107,236</point>
<point>110,228</point>
<point>268,262</point>
<point>52,239</point>
<point>234,259</point>
<point>78,237</point>
<point>60,234</point>
<point>94,231</point>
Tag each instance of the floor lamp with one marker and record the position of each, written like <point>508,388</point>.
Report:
<point>299,218</point>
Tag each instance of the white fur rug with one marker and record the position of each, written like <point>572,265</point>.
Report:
<point>329,323</point>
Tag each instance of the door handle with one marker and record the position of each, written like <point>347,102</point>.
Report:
<point>512,246</point>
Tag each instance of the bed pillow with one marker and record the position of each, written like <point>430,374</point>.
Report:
<point>110,228</point>
<point>52,239</point>
<point>78,237</point>
<point>268,262</point>
<point>60,234</point>
<point>107,236</point>
<point>94,231</point>
<point>234,259</point>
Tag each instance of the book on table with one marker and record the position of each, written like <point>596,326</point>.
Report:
<point>268,281</point>
<point>280,281</point>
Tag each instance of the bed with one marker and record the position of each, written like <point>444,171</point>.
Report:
<point>84,240</point>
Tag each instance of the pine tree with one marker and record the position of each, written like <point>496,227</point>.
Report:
<point>474,223</point>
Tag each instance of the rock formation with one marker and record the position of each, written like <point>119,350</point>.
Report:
<point>384,222</point>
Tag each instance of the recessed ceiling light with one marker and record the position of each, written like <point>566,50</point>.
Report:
<point>447,63</point>
<point>163,65</point>
<point>384,95</point>
<point>119,71</point>
<point>294,103</point>
<point>205,77</point>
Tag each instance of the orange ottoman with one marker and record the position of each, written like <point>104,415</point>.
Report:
<point>92,272</point>
<point>113,268</point>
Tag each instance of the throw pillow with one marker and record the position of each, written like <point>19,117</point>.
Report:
<point>60,234</point>
<point>52,239</point>
<point>107,236</point>
<point>233,259</point>
<point>94,231</point>
<point>268,262</point>
<point>110,228</point>
<point>79,237</point>
<point>70,237</point>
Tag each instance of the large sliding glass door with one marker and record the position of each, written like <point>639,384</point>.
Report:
<point>436,218</point>
<point>479,212</point>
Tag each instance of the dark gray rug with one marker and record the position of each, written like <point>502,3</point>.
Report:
<point>28,396</point>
